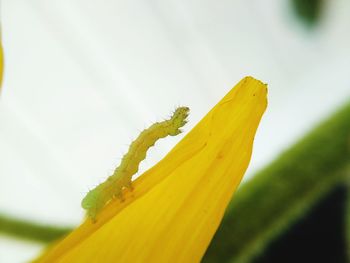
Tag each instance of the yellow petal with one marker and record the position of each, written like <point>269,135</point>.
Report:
<point>177,205</point>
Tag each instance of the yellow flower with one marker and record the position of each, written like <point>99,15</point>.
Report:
<point>177,205</point>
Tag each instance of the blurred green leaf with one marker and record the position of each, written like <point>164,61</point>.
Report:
<point>347,218</point>
<point>309,11</point>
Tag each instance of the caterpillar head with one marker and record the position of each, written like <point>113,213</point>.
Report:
<point>93,202</point>
<point>179,119</point>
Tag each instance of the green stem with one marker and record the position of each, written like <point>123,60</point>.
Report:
<point>29,230</point>
<point>283,192</point>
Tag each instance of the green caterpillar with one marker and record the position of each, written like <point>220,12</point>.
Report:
<point>98,197</point>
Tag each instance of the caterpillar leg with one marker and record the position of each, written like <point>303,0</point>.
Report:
<point>130,186</point>
<point>120,196</point>
<point>91,213</point>
<point>93,218</point>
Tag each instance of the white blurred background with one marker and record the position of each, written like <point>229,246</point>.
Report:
<point>83,78</point>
